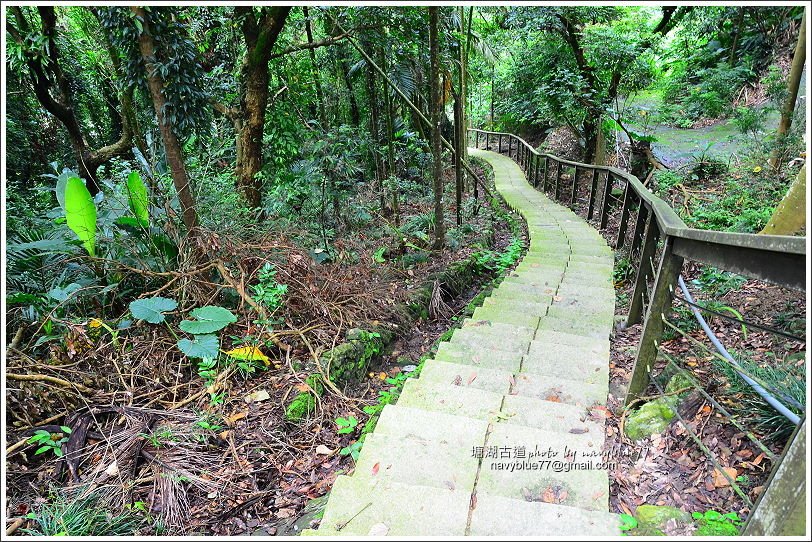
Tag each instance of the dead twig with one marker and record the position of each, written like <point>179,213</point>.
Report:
<point>49,379</point>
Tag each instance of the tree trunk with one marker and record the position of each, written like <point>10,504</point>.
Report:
<point>260,37</point>
<point>172,146</point>
<point>789,217</point>
<point>316,76</point>
<point>798,60</point>
<point>600,147</point>
<point>436,118</point>
<point>52,88</point>
<point>731,58</point>
<point>390,151</point>
<point>590,130</point>
<point>372,96</point>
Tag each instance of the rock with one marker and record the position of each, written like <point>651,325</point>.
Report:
<point>354,334</point>
<point>655,517</point>
<point>651,418</point>
<point>408,368</point>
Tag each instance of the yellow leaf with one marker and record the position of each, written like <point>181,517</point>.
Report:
<point>382,376</point>
<point>249,353</point>
<point>756,169</point>
<point>95,322</point>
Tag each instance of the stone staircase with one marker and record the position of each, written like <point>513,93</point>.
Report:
<point>485,442</point>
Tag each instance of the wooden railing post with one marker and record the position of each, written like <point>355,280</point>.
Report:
<point>500,143</point>
<point>592,193</point>
<point>624,217</point>
<point>605,205</point>
<point>643,271</point>
<point>546,172</point>
<point>537,160</point>
<point>574,188</point>
<point>781,509</point>
<point>477,140</point>
<point>660,303</point>
<point>557,180</point>
<point>639,228</point>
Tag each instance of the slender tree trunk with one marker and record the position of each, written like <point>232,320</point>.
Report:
<point>390,150</point>
<point>591,130</point>
<point>355,116</point>
<point>316,76</point>
<point>731,58</point>
<point>260,37</point>
<point>600,146</point>
<point>798,60</point>
<point>372,96</point>
<point>172,147</point>
<point>436,118</point>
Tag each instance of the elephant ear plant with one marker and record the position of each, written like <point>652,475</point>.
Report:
<point>203,324</point>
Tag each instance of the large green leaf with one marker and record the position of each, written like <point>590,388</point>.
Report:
<point>151,309</point>
<point>138,199</point>
<point>203,346</point>
<point>209,319</point>
<point>80,213</point>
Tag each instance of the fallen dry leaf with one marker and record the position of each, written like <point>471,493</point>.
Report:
<point>321,449</point>
<point>375,468</point>
<point>471,378</point>
<point>719,479</point>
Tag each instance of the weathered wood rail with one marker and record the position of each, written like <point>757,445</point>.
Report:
<point>603,193</point>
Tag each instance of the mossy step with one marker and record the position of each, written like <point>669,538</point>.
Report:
<point>587,327</point>
<point>535,477</point>
<point>551,416</point>
<point>481,378</point>
<point>505,315</point>
<point>356,506</point>
<point>450,399</point>
<point>584,369</point>
<point>474,341</point>
<point>546,338</point>
<point>559,388</point>
<point>506,331</point>
<point>517,304</point>
<point>500,516</point>
<point>417,462</point>
<point>532,280</point>
<point>476,355</point>
<point>602,314</point>
<point>400,421</point>
<point>520,291</point>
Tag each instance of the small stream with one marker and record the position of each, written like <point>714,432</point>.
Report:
<point>677,146</point>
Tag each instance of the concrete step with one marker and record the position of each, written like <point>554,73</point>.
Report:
<point>557,466</point>
<point>592,327</point>
<point>500,516</point>
<point>481,378</point>
<point>470,351</point>
<point>400,421</point>
<point>505,314</point>
<point>417,462</point>
<point>360,507</point>
<point>519,305</point>
<point>550,416</point>
<point>557,388</point>
<point>450,399</point>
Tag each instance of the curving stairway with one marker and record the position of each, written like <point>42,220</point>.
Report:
<point>500,435</point>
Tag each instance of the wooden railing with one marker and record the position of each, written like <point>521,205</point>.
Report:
<point>609,198</point>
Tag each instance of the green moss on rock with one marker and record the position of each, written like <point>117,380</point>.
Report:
<point>649,515</point>
<point>302,406</point>
<point>652,417</point>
